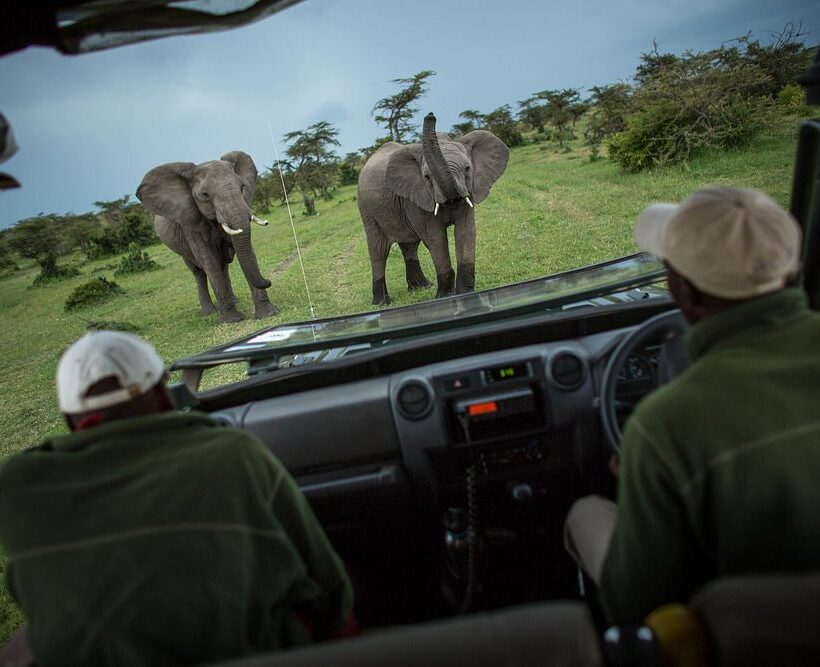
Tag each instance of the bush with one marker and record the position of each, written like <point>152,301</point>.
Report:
<point>111,325</point>
<point>55,275</point>
<point>135,261</point>
<point>701,101</point>
<point>93,292</point>
<point>116,241</point>
<point>792,100</point>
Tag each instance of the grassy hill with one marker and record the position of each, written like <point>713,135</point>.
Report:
<point>549,212</point>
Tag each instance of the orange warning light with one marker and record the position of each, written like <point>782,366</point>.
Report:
<point>482,408</point>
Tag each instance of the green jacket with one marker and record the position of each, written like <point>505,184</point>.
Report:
<point>720,469</point>
<point>164,539</point>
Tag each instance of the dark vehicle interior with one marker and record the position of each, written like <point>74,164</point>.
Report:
<point>442,465</point>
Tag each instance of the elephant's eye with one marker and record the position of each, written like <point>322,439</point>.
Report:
<point>204,196</point>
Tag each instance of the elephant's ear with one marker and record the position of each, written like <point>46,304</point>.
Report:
<point>404,176</point>
<point>489,155</point>
<point>243,165</point>
<point>166,190</point>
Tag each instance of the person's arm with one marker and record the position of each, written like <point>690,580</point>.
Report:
<point>652,559</point>
<point>331,614</point>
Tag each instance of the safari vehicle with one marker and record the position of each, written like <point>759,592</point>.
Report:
<point>442,443</point>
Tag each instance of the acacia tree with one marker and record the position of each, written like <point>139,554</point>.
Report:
<point>114,211</point>
<point>39,238</point>
<point>559,110</point>
<point>313,161</point>
<point>609,108</point>
<point>533,112</point>
<point>473,120</point>
<point>396,112</point>
<point>502,124</point>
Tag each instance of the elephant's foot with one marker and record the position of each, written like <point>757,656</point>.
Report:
<point>207,309</point>
<point>266,309</point>
<point>465,281</point>
<point>415,276</point>
<point>445,283</point>
<point>380,295</point>
<point>231,315</point>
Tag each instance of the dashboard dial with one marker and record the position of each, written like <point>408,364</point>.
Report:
<point>636,369</point>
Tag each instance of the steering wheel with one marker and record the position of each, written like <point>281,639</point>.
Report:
<point>668,327</point>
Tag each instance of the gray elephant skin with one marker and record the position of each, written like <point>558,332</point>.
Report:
<point>410,194</point>
<point>202,213</point>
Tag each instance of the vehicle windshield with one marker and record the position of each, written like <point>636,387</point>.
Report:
<point>420,168</point>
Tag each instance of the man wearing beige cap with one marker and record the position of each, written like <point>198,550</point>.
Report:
<point>719,469</point>
<point>149,536</point>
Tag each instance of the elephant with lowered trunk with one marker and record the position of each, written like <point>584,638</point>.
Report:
<point>410,194</point>
<point>202,213</point>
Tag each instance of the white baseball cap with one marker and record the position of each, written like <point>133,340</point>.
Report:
<point>104,354</point>
<point>728,242</point>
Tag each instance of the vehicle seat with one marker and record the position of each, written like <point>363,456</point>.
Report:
<point>557,633</point>
<point>762,620</point>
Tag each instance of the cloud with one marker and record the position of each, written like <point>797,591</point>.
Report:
<point>90,126</point>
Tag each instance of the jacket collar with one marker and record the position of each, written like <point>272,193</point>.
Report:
<point>769,311</point>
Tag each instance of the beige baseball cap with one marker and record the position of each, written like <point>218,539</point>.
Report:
<point>103,354</point>
<point>728,242</point>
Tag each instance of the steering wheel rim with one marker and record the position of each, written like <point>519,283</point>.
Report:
<point>669,323</point>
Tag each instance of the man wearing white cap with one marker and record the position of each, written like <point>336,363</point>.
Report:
<point>719,469</point>
<point>149,536</point>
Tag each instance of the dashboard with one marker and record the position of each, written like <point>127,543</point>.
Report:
<point>399,467</point>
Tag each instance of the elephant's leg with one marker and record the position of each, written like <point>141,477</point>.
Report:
<point>213,267</point>
<point>234,298</point>
<point>378,247</point>
<point>465,254</point>
<point>415,276</point>
<point>439,249</point>
<point>262,307</point>
<point>206,305</point>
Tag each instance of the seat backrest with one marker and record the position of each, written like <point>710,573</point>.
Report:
<point>762,620</point>
<point>560,634</point>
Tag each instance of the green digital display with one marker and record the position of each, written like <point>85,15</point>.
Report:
<point>501,373</point>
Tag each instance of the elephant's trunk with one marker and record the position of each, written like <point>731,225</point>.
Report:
<point>247,259</point>
<point>436,162</point>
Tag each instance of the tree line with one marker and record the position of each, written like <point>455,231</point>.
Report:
<point>674,107</point>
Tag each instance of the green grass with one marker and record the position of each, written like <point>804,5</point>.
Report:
<point>550,211</point>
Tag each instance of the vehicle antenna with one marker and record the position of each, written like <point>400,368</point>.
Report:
<point>292,225</point>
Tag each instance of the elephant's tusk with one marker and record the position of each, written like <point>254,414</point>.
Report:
<point>469,203</point>
<point>231,232</point>
<point>435,210</point>
<point>258,221</point>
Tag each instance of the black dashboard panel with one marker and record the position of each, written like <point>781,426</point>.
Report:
<point>327,428</point>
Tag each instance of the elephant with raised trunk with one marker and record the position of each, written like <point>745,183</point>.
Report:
<point>202,213</point>
<point>410,194</point>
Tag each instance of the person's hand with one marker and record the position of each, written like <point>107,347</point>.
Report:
<point>615,466</point>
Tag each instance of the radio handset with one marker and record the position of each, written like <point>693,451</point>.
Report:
<point>472,512</point>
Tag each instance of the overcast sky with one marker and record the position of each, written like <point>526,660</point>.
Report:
<point>90,126</point>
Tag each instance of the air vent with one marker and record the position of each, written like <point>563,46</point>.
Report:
<point>414,400</point>
<point>567,370</point>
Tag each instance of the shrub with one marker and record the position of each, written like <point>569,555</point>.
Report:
<point>111,325</point>
<point>56,274</point>
<point>792,100</point>
<point>697,102</point>
<point>116,241</point>
<point>93,292</point>
<point>135,261</point>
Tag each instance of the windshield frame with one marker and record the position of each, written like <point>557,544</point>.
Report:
<point>240,350</point>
